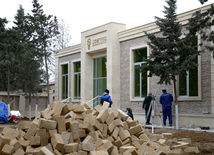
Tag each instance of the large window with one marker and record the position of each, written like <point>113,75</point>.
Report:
<point>100,76</point>
<point>188,83</point>
<point>140,78</point>
<point>77,80</point>
<point>64,81</point>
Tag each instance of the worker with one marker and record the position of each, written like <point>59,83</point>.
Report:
<point>145,106</point>
<point>106,97</point>
<point>166,101</point>
<point>130,114</point>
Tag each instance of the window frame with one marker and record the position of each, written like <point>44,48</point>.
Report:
<point>73,81</point>
<point>132,64</point>
<point>60,84</point>
<point>192,98</point>
<point>78,82</point>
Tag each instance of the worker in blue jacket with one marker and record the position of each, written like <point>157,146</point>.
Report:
<point>106,97</point>
<point>166,101</point>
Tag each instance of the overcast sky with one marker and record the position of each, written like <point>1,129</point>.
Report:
<point>82,15</point>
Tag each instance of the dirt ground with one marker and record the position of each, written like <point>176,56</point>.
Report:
<point>203,140</point>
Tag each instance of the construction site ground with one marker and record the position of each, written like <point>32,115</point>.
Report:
<point>203,139</point>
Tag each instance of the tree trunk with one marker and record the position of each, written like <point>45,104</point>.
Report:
<point>46,67</point>
<point>176,106</point>
<point>8,84</point>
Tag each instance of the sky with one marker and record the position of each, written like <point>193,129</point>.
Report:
<point>82,15</point>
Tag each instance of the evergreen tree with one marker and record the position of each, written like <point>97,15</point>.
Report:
<point>45,28</point>
<point>171,55</point>
<point>203,1</point>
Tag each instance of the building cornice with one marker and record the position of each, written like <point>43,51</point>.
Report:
<point>68,51</point>
<point>153,28</point>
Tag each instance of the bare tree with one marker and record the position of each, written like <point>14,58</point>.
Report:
<point>63,39</point>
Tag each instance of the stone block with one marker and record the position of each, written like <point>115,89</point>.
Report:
<point>15,144</point>
<point>105,129</point>
<point>193,149</point>
<point>110,118</point>
<point>142,149</point>
<point>121,115</point>
<point>88,111</point>
<point>94,134</point>
<point>167,135</point>
<point>74,153</point>
<point>118,142</point>
<point>132,123</point>
<point>57,109</point>
<point>86,106</point>
<point>11,133</point>
<point>134,152</point>
<point>67,108</point>
<point>96,124</point>
<point>19,152</point>
<point>78,108</point>
<point>114,151</point>
<point>127,141</point>
<point>44,134</point>
<point>83,152</point>
<point>60,124</point>
<point>88,126</point>
<point>7,150</point>
<point>98,108</point>
<point>98,142</point>
<point>80,115</point>
<point>99,152</point>
<point>125,125</point>
<point>49,147</point>
<point>99,134</point>
<point>187,140</point>
<point>31,132</point>
<point>180,145</point>
<point>125,148</point>
<point>118,122</point>
<point>88,146</point>
<point>153,137</point>
<point>136,144</point>
<point>105,105</point>
<point>115,133</point>
<point>140,133</point>
<point>45,151</point>
<point>173,140</point>
<point>111,127</point>
<point>52,132</point>
<point>24,143</point>
<point>34,140</point>
<point>107,146</point>
<point>21,132</point>
<point>71,147</point>
<point>102,116</point>
<point>175,152</point>
<point>134,138</point>
<point>146,132</point>
<point>161,141</point>
<point>57,142</point>
<point>89,139</point>
<point>82,133</point>
<point>67,137</point>
<point>57,152</point>
<point>144,137</point>
<point>47,124</point>
<point>111,139</point>
<point>33,150</point>
<point>74,127</point>
<point>24,125</point>
<point>124,134</point>
<point>70,114</point>
<point>135,129</point>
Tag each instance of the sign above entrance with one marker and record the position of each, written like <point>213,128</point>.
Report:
<point>99,41</point>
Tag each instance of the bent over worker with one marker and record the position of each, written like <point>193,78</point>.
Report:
<point>166,101</point>
<point>106,97</point>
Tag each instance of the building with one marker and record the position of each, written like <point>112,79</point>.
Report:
<point>108,56</point>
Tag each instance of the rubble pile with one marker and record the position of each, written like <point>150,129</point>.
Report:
<point>72,129</point>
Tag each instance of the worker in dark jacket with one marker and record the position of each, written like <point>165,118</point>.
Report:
<point>106,97</point>
<point>130,114</point>
<point>146,104</point>
<point>166,101</point>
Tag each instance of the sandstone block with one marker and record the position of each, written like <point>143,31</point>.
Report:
<point>60,124</point>
<point>82,133</point>
<point>19,152</point>
<point>48,124</point>
<point>15,144</point>
<point>161,141</point>
<point>57,109</point>
<point>118,142</point>
<point>86,106</point>
<point>7,150</point>
<point>114,151</point>
<point>105,129</point>
<point>70,114</point>
<point>57,142</point>
<point>57,152</point>
<point>82,153</point>
<point>134,138</point>
<point>21,132</point>
<point>118,122</point>
<point>11,133</point>
<point>88,111</point>
<point>167,135</point>
<point>107,146</point>
<point>67,108</point>
<point>31,132</point>
<point>49,147</point>
<point>115,133</point>
<point>94,134</point>
<point>89,139</point>
<point>127,141</point>
<point>153,137</point>
<point>103,115</point>
<point>193,149</point>
<point>132,123</point>
<point>180,145</point>
<point>135,129</point>
<point>124,134</point>
<point>98,108</point>
<point>175,152</point>
<point>88,126</point>
<point>67,137</point>
<point>52,132</point>
<point>45,151</point>
<point>74,126</point>
<point>99,152</point>
<point>110,118</point>
<point>24,125</point>
<point>125,148</point>
<point>34,141</point>
<point>105,105</point>
<point>125,126</point>
<point>72,147</point>
<point>98,142</point>
<point>111,139</point>
<point>80,116</point>
<point>44,134</point>
<point>187,140</point>
<point>79,108</point>
<point>24,143</point>
<point>96,124</point>
<point>88,146</point>
<point>33,150</point>
<point>111,127</point>
<point>121,115</point>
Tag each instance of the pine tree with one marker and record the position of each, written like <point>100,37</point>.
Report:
<point>171,55</point>
<point>45,28</point>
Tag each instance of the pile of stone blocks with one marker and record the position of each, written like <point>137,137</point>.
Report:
<point>72,129</point>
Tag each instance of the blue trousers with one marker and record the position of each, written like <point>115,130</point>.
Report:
<point>167,111</point>
<point>148,115</point>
